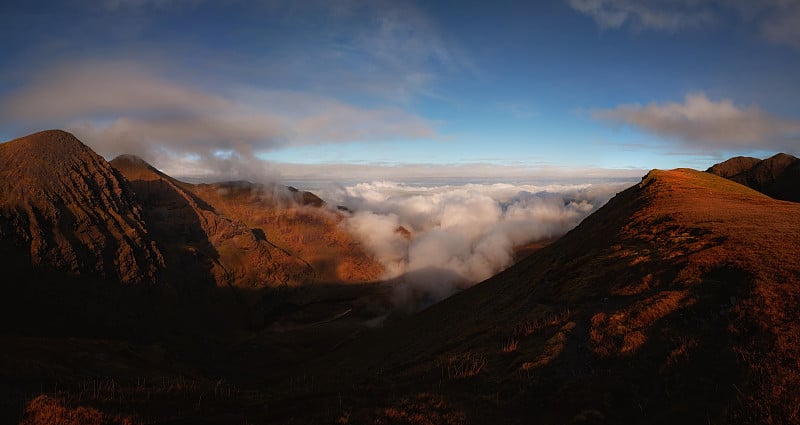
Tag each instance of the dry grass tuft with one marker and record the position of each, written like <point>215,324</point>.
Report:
<point>511,345</point>
<point>623,332</point>
<point>47,410</point>
<point>532,326</point>
<point>552,348</point>
<point>464,365</point>
<point>424,409</point>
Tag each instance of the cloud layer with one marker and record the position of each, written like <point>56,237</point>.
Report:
<point>704,124</point>
<point>459,235</point>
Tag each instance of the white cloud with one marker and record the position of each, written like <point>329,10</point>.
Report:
<point>460,234</point>
<point>123,107</point>
<point>704,124</point>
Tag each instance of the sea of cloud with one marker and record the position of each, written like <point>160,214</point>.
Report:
<point>435,240</point>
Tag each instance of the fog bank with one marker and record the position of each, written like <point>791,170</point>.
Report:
<point>435,240</point>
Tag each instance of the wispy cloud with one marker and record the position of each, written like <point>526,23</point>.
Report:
<point>704,124</point>
<point>777,20</point>
<point>122,107</point>
<point>668,15</point>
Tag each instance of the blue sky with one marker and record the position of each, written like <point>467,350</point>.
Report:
<point>231,88</point>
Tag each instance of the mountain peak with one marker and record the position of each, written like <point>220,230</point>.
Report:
<point>777,176</point>
<point>50,144</point>
<point>47,180</point>
<point>136,168</point>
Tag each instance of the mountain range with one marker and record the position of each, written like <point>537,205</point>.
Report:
<point>677,301</point>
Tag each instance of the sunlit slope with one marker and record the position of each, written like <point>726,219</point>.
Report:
<point>200,244</point>
<point>298,222</point>
<point>678,300</point>
<point>64,210</point>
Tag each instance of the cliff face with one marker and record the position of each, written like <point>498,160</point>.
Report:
<point>64,209</point>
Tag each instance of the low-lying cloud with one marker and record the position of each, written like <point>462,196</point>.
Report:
<point>701,123</point>
<point>458,235</point>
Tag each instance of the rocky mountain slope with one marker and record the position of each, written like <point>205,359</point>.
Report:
<point>200,245</point>
<point>777,176</point>
<point>101,244</point>
<point>296,221</point>
<point>64,209</point>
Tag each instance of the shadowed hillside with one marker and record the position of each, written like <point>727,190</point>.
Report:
<point>675,301</point>
<point>777,176</point>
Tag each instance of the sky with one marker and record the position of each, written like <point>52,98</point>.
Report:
<point>331,90</point>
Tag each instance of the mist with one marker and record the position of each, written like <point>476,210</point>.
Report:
<point>436,240</point>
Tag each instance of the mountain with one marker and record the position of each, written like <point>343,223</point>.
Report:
<point>296,221</point>
<point>777,176</point>
<point>64,210</point>
<point>202,246</point>
<point>109,248</point>
<point>675,302</point>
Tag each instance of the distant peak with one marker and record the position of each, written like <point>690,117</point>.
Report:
<point>782,157</point>
<point>136,168</point>
<point>129,160</point>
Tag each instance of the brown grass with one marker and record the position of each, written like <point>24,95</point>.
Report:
<point>530,327</point>
<point>511,345</point>
<point>48,410</point>
<point>552,348</point>
<point>105,401</point>
<point>424,409</point>
<point>622,332</point>
<point>464,365</point>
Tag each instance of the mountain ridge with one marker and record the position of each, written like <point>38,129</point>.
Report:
<point>195,236</point>
<point>678,289</point>
<point>675,301</point>
<point>777,176</point>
